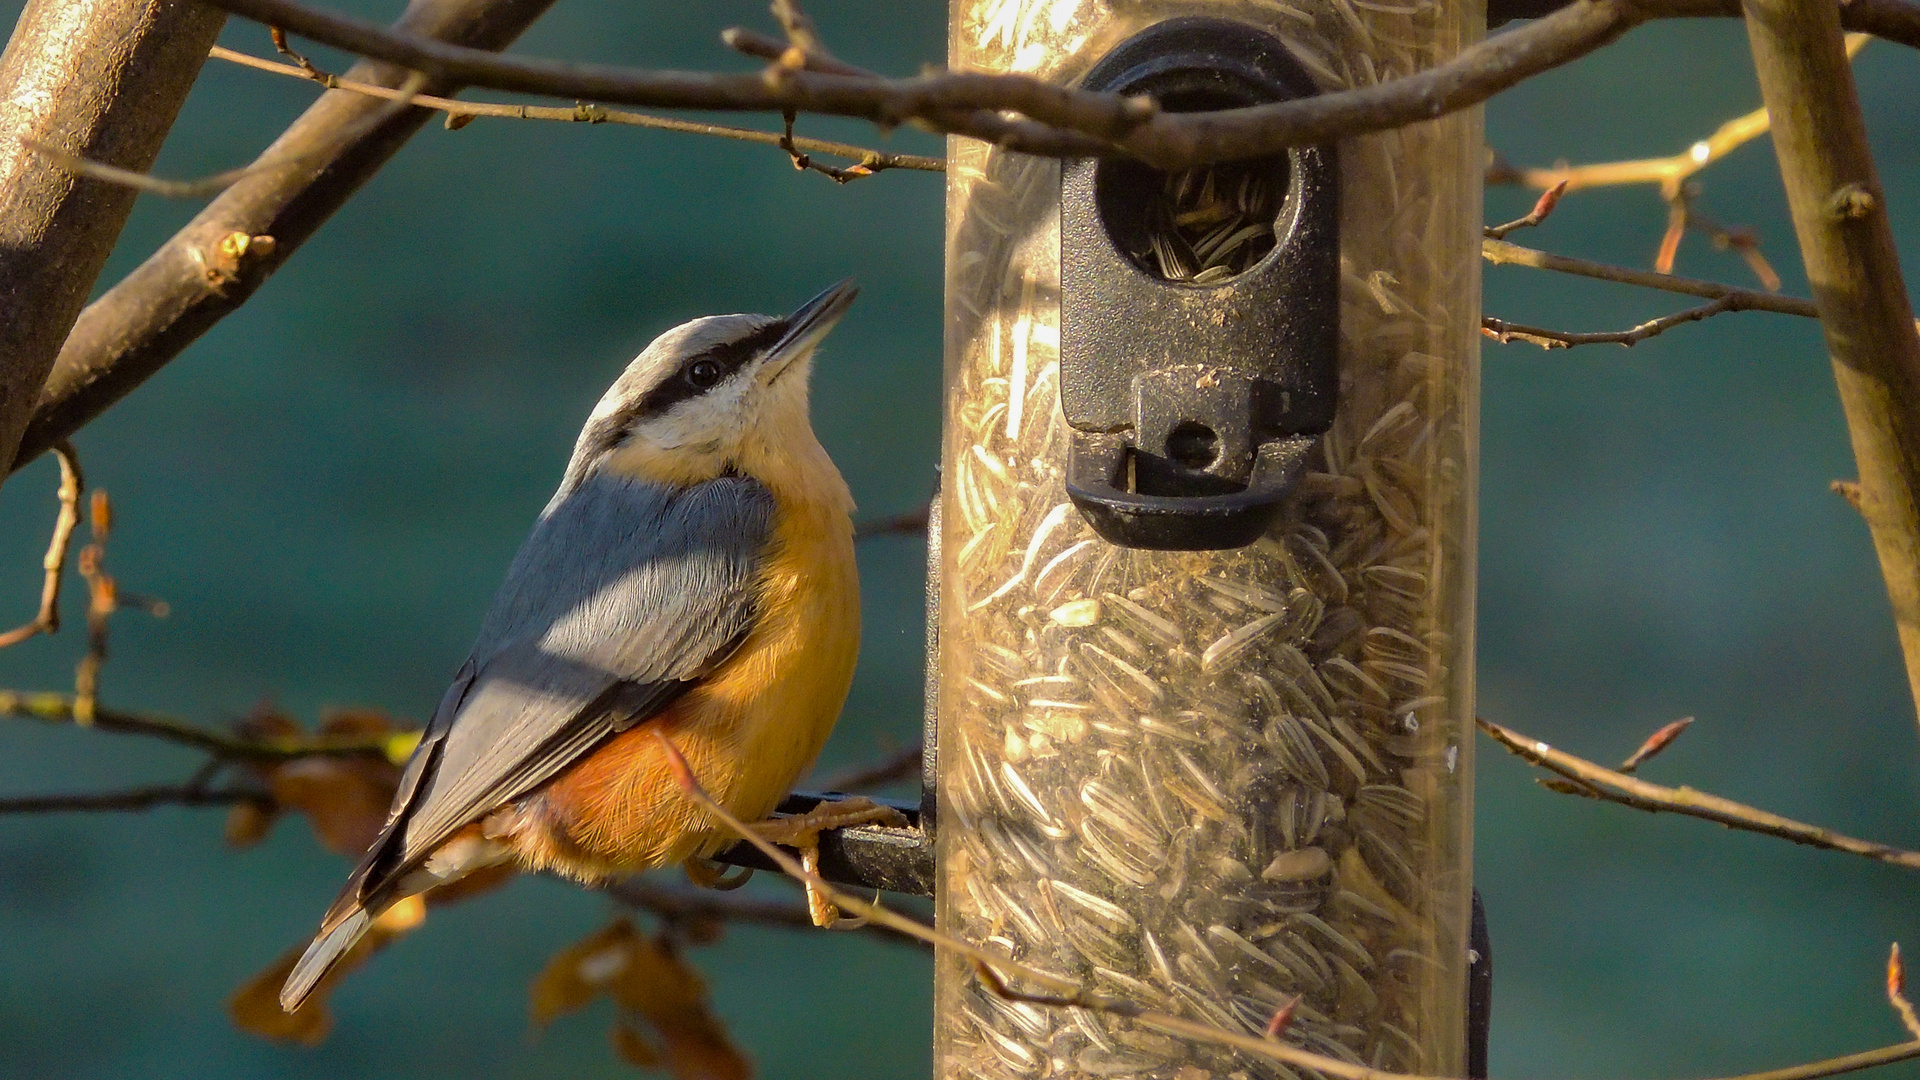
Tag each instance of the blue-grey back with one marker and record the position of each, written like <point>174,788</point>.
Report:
<point>614,557</point>
<point>624,590</point>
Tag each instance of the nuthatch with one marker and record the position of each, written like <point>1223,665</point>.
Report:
<point>693,577</point>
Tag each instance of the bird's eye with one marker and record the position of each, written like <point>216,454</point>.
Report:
<point>704,374</point>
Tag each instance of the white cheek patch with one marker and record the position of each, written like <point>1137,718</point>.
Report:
<point>704,424</point>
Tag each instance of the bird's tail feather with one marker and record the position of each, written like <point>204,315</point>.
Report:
<point>326,951</point>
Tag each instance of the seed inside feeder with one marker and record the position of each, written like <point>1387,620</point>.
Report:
<point>1202,225</point>
<point>1212,222</point>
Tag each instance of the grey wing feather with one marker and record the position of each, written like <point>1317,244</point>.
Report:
<point>624,594</point>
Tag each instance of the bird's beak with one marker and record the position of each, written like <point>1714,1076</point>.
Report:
<point>807,326</point>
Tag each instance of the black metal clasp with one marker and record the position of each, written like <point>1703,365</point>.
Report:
<point>1199,349</point>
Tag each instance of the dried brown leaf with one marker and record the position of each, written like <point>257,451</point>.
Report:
<point>266,722</point>
<point>249,822</point>
<point>581,972</point>
<point>672,997</point>
<point>356,722</point>
<point>652,986</point>
<point>633,1047</point>
<point>345,799</point>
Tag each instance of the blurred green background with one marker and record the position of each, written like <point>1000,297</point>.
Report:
<point>327,487</point>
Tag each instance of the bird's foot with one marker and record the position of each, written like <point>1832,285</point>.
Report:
<point>708,874</point>
<point>802,832</point>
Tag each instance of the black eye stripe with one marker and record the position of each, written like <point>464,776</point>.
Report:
<point>607,432</point>
<point>683,385</point>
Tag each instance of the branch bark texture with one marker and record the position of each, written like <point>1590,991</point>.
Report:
<point>1052,120</point>
<point>215,263</point>
<point>100,79</point>
<point>1059,120</point>
<point>1840,216</point>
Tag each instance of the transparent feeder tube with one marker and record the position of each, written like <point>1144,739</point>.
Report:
<point>1209,781</point>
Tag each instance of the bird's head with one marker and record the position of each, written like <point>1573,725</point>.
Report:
<point>709,392</point>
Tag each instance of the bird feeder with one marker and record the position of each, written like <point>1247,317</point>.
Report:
<point>1206,555</point>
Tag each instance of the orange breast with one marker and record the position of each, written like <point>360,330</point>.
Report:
<point>747,731</point>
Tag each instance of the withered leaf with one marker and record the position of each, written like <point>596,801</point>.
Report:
<point>581,972</point>
<point>345,799</point>
<point>249,822</point>
<point>633,1047</point>
<point>651,984</point>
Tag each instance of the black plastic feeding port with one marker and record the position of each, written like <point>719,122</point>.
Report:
<point>1199,321</point>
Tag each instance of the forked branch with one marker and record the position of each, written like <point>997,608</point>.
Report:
<point>72,482</point>
<point>1585,778</point>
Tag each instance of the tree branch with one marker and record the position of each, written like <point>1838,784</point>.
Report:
<point>1846,240</point>
<point>1064,122</point>
<point>60,709</point>
<point>72,482</point>
<point>1894,20</point>
<point>899,765</point>
<point>911,523</point>
<point>1069,122</point>
<point>1506,333</point>
<point>1598,782</point>
<point>458,111</point>
<point>212,266</point>
<point>1502,253</point>
<point>96,78</point>
<point>218,182</point>
<point>132,800</point>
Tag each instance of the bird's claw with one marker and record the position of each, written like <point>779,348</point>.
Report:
<point>708,874</point>
<point>802,832</point>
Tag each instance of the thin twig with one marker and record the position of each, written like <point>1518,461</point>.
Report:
<point>131,800</point>
<point>992,969</point>
<point>1669,172</point>
<point>871,912</point>
<point>871,160</point>
<point>911,523</point>
<point>1505,332</point>
<point>753,43</point>
<point>1865,1059</point>
<point>800,31</point>
<point>1739,240</point>
<point>899,765</point>
<point>72,483</point>
<point>1062,120</point>
<point>101,604</point>
<point>1542,207</point>
<point>1502,253</point>
<point>59,708</point>
<point>279,39</point>
<point>1058,121</point>
<point>1599,782</point>
<point>1672,174</point>
<point>805,163</point>
<point>218,182</point>
<point>1896,992</point>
